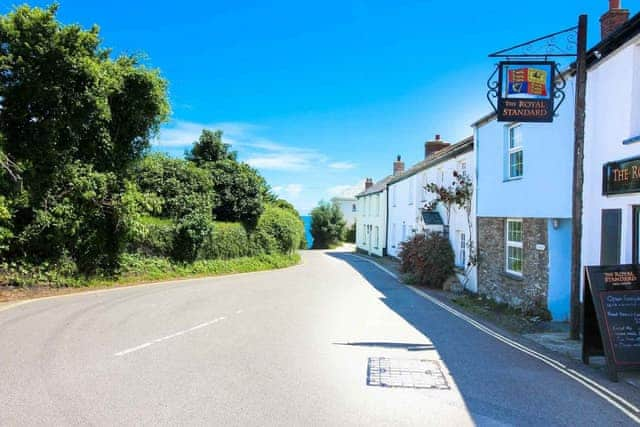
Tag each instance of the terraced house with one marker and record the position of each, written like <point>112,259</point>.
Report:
<point>371,223</point>
<point>409,200</point>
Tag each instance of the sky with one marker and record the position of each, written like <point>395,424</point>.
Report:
<point>319,95</point>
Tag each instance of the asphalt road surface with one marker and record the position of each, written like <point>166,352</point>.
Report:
<point>334,341</point>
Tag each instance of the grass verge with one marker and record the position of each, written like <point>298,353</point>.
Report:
<point>22,282</point>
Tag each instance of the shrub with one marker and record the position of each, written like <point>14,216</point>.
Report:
<point>225,240</point>
<point>156,238</point>
<point>327,225</point>
<point>284,226</point>
<point>351,234</point>
<point>191,232</point>
<point>428,259</point>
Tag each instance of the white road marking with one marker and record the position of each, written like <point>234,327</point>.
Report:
<point>614,399</point>
<point>168,337</point>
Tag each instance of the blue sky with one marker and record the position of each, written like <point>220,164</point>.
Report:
<point>320,95</point>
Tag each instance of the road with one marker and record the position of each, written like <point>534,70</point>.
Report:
<point>309,345</point>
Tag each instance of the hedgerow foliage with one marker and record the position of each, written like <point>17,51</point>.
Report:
<point>78,186</point>
<point>328,226</point>
<point>427,259</point>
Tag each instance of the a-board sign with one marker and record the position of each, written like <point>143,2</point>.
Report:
<point>611,316</point>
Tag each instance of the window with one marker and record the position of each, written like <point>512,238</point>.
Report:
<point>515,166</point>
<point>377,237</point>
<point>514,246</point>
<point>393,196</point>
<point>462,254</point>
<point>377,204</point>
<point>404,231</point>
<point>410,195</point>
<point>393,235</point>
<point>353,207</point>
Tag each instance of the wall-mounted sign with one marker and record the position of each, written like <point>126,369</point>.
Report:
<point>621,177</point>
<point>611,322</point>
<point>526,91</point>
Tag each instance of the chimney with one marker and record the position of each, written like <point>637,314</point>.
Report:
<point>368,183</point>
<point>434,146</point>
<point>398,166</point>
<point>613,19</point>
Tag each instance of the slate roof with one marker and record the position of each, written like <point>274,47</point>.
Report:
<point>437,157</point>
<point>377,187</point>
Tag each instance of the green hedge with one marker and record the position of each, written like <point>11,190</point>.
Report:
<point>284,226</point>
<point>226,240</point>
<point>156,238</point>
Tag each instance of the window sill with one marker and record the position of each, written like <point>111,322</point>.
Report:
<point>631,140</point>
<point>512,276</point>
<point>517,178</point>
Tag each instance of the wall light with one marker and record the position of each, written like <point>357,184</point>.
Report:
<point>555,222</point>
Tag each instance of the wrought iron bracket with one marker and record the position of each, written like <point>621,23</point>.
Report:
<point>557,45</point>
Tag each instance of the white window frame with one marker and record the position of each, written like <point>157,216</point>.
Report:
<point>513,149</point>
<point>513,244</point>
<point>377,237</point>
<point>462,254</point>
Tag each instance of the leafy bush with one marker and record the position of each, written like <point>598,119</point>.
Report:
<point>156,237</point>
<point>191,232</point>
<point>327,225</point>
<point>351,234</point>
<point>180,186</point>
<point>284,226</point>
<point>428,259</point>
<point>226,240</point>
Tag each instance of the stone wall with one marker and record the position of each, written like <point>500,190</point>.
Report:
<point>528,292</point>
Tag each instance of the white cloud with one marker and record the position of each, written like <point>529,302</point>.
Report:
<point>257,151</point>
<point>345,190</point>
<point>289,191</point>
<point>342,165</point>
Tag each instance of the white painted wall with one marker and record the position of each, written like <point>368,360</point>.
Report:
<point>544,190</point>
<point>612,116</point>
<point>371,236</point>
<point>346,207</point>
<point>405,208</point>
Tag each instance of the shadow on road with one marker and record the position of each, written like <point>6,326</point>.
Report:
<point>497,383</point>
<point>398,345</point>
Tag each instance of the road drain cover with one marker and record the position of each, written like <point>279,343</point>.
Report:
<point>407,373</point>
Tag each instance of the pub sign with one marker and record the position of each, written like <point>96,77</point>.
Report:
<point>621,177</point>
<point>526,91</point>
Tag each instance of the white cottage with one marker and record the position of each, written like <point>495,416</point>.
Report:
<point>408,203</point>
<point>371,222</point>
<point>611,193</point>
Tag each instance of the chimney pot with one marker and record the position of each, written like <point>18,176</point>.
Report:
<point>398,166</point>
<point>431,147</point>
<point>368,183</point>
<point>612,19</point>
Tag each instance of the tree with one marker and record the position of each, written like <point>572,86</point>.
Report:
<point>73,121</point>
<point>210,148</point>
<point>180,186</point>
<point>459,194</point>
<point>241,191</point>
<point>327,225</point>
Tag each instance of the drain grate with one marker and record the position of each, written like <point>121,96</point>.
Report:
<point>407,373</point>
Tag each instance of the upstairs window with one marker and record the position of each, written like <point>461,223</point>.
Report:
<point>515,155</point>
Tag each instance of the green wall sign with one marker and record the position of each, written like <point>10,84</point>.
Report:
<point>621,177</point>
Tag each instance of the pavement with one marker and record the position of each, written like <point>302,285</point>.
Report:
<point>333,341</point>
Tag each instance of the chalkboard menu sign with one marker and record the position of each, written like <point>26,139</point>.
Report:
<point>611,316</point>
